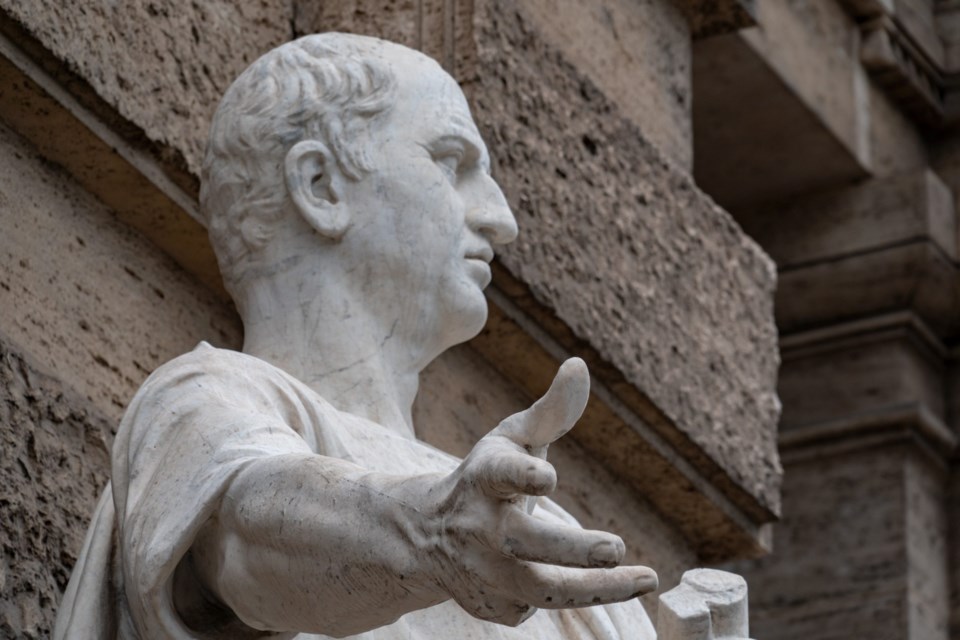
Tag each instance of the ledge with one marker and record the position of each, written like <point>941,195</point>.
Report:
<point>713,17</point>
<point>876,417</point>
<point>905,56</point>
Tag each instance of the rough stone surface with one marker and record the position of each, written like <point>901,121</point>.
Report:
<point>756,139</point>
<point>162,64</point>
<point>880,246</point>
<point>53,464</point>
<point>620,243</point>
<point>896,144</point>
<point>953,550</point>
<point>647,41</point>
<point>849,584</point>
<point>88,298</point>
<point>394,20</point>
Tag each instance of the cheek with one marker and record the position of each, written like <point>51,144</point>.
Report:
<point>430,225</point>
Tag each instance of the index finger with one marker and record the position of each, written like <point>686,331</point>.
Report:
<point>555,413</point>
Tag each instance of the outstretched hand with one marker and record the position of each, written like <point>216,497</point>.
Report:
<point>500,562</point>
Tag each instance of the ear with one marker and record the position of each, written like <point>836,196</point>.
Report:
<point>314,181</point>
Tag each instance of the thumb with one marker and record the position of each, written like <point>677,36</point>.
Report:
<point>555,413</point>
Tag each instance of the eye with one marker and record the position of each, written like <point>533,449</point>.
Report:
<point>449,162</point>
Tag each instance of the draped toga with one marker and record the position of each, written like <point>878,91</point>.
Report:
<point>193,425</point>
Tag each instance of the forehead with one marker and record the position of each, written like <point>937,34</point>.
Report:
<point>429,101</point>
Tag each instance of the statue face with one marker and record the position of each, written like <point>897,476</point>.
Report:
<point>426,219</point>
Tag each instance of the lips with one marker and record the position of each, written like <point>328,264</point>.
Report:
<point>479,269</point>
<point>485,254</point>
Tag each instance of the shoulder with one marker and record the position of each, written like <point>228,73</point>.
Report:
<point>215,370</point>
<point>205,359</point>
<point>210,379</point>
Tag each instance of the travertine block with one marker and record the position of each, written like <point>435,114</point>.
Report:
<point>620,244</point>
<point>83,294</point>
<point>872,547</point>
<point>866,373</point>
<point>649,42</point>
<point>161,64</point>
<point>877,247</point>
<point>54,460</point>
<point>764,130</point>
<point>856,219</point>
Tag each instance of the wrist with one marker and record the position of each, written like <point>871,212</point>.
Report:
<point>414,508</point>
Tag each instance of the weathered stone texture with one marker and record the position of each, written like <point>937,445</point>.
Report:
<point>53,462</point>
<point>812,46</point>
<point>928,579</point>
<point>162,64</point>
<point>825,383</point>
<point>623,247</point>
<point>394,20</point>
<point>953,551</point>
<point>647,42</point>
<point>876,247</point>
<point>87,297</point>
<point>840,566</point>
<point>896,144</point>
<point>869,216</point>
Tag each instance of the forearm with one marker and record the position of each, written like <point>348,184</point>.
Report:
<point>316,544</point>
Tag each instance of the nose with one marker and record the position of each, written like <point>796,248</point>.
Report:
<point>490,216</point>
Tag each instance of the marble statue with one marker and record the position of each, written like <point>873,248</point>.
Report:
<point>281,492</point>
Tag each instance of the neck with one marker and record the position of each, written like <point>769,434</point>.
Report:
<point>340,350</point>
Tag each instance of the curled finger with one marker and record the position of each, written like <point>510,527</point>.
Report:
<point>511,473</point>
<point>525,537</point>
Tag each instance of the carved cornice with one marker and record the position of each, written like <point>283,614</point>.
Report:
<point>866,9</point>
<point>912,421</point>
<point>713,17</point>
<point>903,67</point>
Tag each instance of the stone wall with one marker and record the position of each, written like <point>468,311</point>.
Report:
<point>162,65</point>
<point>89,308</point>
<point>105,272</point>
<point>620,244</point>
<point>829,131</point>
<point>53,464</point>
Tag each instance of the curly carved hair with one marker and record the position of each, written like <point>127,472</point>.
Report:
<point>323,87</point>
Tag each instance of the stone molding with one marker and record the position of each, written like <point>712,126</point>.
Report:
<point>712,17</point>
<point>904,421</point>
<point>912,72</point>
<point>904,71</point>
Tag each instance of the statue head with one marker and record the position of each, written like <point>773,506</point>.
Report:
<point>359,155</point>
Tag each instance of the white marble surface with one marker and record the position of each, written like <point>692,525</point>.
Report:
<point>707,605</point>
<point>281,492</point>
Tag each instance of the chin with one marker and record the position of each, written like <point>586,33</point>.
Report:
<point>467,319</point>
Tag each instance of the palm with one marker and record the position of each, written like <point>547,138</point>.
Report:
<point>501,561</point>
